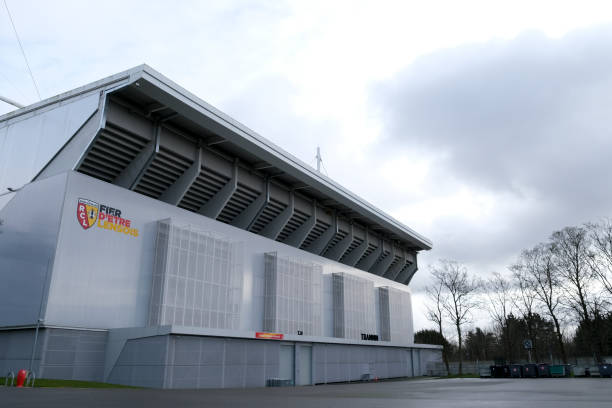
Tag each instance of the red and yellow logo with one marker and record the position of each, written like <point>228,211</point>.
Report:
<point>268,336</point>
<point>108,218</point>
<point>87,212</point>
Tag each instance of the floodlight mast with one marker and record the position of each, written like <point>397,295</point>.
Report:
<point>11,102</point>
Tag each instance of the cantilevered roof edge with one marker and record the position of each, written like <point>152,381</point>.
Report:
<point>241,135</point>
<point>185,102</point>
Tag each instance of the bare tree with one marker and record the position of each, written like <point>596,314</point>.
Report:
<point>435,312</point>
<point>542,275</point>
<point>525,300</point>
<point>600,256</point>
<point>572,248</point>
<point>499,305</point>
<point>460,299</point>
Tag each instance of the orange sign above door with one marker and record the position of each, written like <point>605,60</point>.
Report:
<point>269,336</point>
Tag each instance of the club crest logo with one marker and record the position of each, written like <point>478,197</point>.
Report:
<point>91,214</point>
<point>87,212</point>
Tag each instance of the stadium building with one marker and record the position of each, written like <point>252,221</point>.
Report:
<point>148,239</point>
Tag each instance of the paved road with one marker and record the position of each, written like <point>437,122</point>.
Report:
<point>456,393</point>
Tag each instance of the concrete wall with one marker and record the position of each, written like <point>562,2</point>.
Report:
<point>183,361</point>
<point>175,361</point>
<point>142,362</point>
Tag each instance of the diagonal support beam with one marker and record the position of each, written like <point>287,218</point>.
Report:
<point>392,272</point>
<point>318,245</point>
<point>380,268</point>
<point>131,175</point>
<point>247,217</point>
<point>213,207</point>
<point>405,264</point>
<point>367,262</point>
<point>297,237</point>
<point>340,248</point>
<point>402,273</point>
<point>353,257</point>
<point>406,276</point>
<point>410,259</point>
<point>175,193</point>
<point>277,224</point>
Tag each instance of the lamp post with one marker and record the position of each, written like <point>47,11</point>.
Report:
<point>10,102</point>
<point>39,321</point>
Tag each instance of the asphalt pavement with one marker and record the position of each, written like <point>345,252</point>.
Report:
<point>426,393</point>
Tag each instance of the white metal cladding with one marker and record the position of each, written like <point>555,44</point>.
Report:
<point>354,312</point>
<point>292,296</point>
<point>197,279</point>
<point>383,313</point>
<point>395,311</point>
<point>30,141</point>
<point>400,315</point>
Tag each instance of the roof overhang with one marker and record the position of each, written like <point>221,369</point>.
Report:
<point>145,81</point>
<point>167,93</point>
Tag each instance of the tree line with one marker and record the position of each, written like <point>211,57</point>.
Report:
<point>557,294</point>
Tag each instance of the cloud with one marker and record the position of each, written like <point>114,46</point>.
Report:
<point>524,123</point>
<point>483,148</point>
<point>529,115</point>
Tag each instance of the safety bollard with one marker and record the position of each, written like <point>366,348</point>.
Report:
<point>21,377</point>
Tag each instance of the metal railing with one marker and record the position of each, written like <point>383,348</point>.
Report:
<point>30,379</point>
<point>12,376</point>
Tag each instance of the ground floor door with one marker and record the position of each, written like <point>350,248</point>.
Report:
<point>416,363</point>
<point>304,364</point>
<point>286,362</point>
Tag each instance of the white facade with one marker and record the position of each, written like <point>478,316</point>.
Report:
<point>101,278</point>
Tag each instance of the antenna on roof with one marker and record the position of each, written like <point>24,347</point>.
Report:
<point>320,162</point>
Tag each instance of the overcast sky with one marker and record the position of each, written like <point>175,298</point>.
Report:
<point>482,125</point>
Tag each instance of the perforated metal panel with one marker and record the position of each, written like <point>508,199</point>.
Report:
<point>395,315</point>
<point>383,310</point>
<point>292,296</point>
<point>197,279</point>
<point>354,312</point>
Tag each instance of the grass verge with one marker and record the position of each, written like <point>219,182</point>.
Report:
<point>48,382</point>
